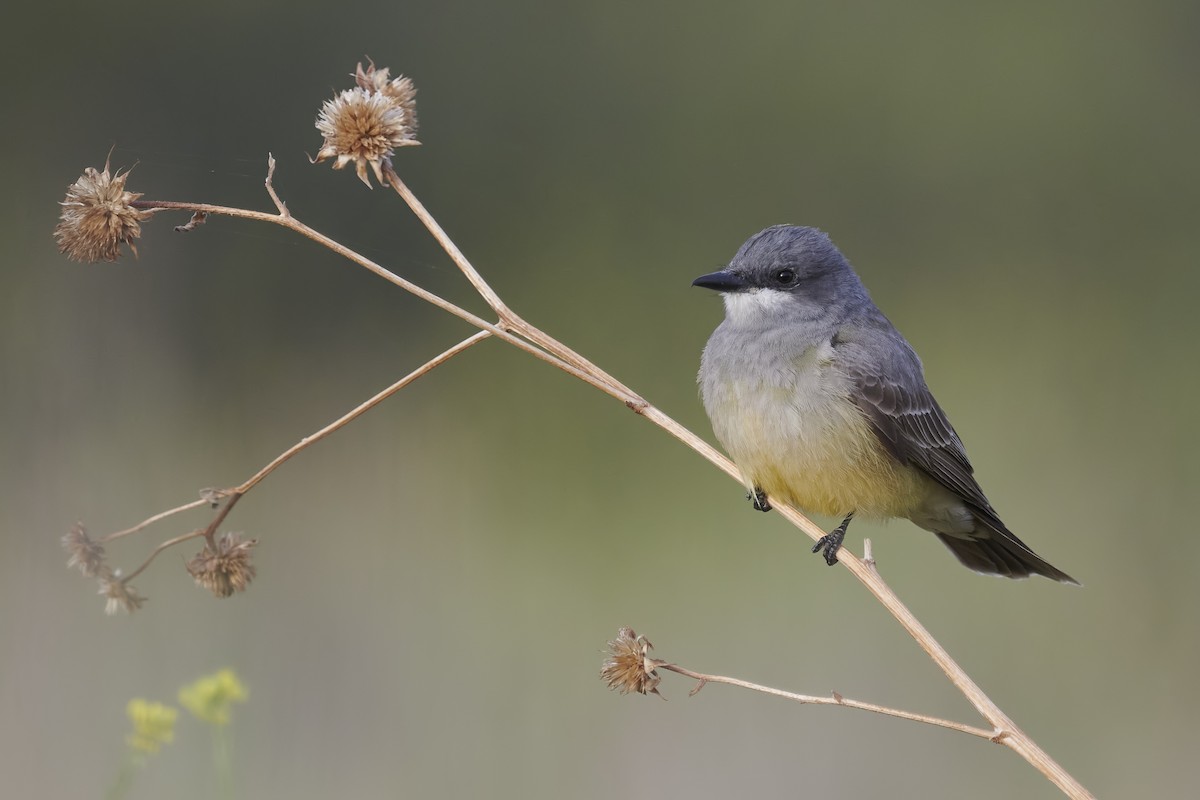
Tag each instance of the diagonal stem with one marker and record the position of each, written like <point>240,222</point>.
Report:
<point>236,492</point>
<point>1008,732</point>
<point>541,345</point>
<point>835,700</point>
<point>290,222</point>
<point>508,317</point>
<point>359,410</point>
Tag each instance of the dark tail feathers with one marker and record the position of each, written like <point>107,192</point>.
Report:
<point>995,551</point>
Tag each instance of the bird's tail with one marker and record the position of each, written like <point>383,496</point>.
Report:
<point>994,550</point>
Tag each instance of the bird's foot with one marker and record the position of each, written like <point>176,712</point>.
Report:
<point>759,498</point>
<point>829,544</point>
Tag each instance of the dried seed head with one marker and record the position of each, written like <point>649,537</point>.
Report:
<point>85,553</point>
<point>366,124</point>
<point>121,597</point>
<point>97,217</point>
<point>628,667</point>
<point>226,571</point>
<point>401,90</point>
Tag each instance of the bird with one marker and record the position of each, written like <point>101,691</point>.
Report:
<point>823,405</point>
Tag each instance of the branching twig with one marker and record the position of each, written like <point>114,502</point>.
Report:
<point>291,223</point>
<point>151,520</point>
<point>125,579</point>
<point>542,346</point>
<point>122,226</point>
<point>359,410</point>
<point>835,700</point>
<point>1006,731</point>
<point>235,493</point>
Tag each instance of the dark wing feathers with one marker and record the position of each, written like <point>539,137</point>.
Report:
<point>914,429</point>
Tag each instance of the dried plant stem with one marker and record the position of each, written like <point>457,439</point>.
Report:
<point>208,533</point>
<point>151,520</point>
<point>154,554</point>
<point>1006,731</point>
<point>236,492</point>
<point>359,410</point>
<point>836,700</point>
<point>476,280</point>
<point>507,316</point>
<point>542,346</point>
<point>293,224</point>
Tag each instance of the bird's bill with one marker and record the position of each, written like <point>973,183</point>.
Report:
<point>722,281</point>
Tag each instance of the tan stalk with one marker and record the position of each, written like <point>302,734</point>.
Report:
<point>541,345</point>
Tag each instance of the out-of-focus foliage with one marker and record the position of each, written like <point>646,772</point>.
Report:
<point>1015,183</point>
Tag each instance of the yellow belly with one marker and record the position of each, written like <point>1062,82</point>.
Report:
<point>817,453</point>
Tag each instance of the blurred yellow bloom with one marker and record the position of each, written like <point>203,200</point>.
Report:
<point>153,725</point>
<point>211,697</point>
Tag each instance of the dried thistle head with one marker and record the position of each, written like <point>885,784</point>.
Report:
<point>98,217</point>
<point>400,89</point>
<point>628,667</point>
<point>86,553</point>
<point>227,570</point>
<point>121,596</point>
<point>366,124</point>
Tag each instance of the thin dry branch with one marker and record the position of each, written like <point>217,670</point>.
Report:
<point>1006,731</point>
<point>291,223</point>
<point>151,520</point>
<point>154,553</point>
<point>235,493</point>
<point>539,344</point>
<point>360,409</point>
<point>703,679</point>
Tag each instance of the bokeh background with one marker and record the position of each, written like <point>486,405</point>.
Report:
<point>1016,184</point>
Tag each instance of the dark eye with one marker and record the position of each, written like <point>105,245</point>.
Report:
<point>785,277</point>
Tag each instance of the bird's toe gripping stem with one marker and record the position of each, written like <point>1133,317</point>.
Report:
<point>829,544</point>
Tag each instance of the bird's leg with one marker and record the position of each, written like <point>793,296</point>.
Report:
<point>759,498</point>
<point>832,541</point>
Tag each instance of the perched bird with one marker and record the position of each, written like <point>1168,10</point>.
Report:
<point>823,405</point>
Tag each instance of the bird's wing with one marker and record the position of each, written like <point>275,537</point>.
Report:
<point>891,392</point>
<point>914,429</point>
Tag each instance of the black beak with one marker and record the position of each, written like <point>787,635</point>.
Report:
<point>722,281</point>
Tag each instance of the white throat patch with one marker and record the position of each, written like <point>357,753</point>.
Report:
<point>755,308</point>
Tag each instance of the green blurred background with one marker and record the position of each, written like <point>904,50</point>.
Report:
<point>1017,186</point>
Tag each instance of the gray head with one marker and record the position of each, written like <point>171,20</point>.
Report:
<point>787,272</point>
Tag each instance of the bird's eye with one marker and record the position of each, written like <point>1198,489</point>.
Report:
<point>785,277</point>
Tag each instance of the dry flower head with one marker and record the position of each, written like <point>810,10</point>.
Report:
<point>400,89</point>
<point>228,569</point>
<point>365,125</point>
<point>628,667</point>
<point>86,553</point>
<point>98,217</point>
<point>121,596</point>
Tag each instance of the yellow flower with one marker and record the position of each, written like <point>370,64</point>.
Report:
<point>211,697</point>
<point>153,725</point>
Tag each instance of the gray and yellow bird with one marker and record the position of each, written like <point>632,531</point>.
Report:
<point>823,405</point>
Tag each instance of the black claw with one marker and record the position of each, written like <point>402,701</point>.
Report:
<point>829,544</point>
<point>759,498</point>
